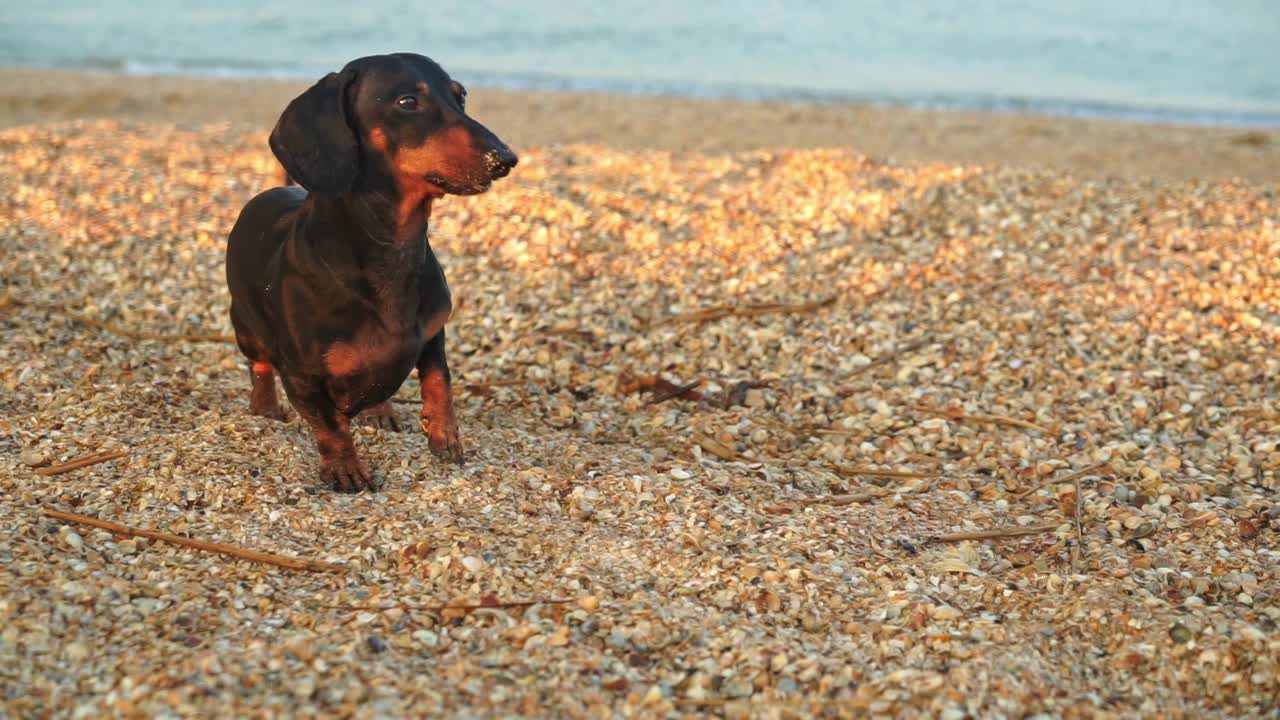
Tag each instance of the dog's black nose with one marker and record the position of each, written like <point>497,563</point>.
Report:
<point>500,161</point>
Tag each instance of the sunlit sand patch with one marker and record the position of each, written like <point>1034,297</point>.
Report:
<point>901,429</point>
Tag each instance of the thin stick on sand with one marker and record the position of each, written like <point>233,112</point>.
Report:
<point>1075,551</point>
<point>502,605</point>
<point>268,558</point>
<point>847,499</point>
<point>679,391</point>
<point>854,498</point>
<point>717,448</point>
<point>994,420</point>
<point>874,472</point>
<point>82,462</point>
<point>1054,480</point>
<point>893,356</point>
<point>1003,420</point>
<point>763,702</point>
<point>724,311</point>
<point>495,383</point>
<point>994,533</point>
<point>1085,357</point>
<point>832,500</point>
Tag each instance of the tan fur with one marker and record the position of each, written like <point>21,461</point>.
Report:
<point>343,359</point>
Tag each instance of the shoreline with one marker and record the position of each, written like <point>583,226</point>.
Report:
<point>1151,113</point>
<point>1087,147</point>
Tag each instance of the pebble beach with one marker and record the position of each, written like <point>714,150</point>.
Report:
<point>760,422</point>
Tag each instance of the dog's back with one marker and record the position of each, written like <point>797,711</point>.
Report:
<point>260,230</point>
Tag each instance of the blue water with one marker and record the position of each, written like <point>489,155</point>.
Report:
<point>1193,61</point>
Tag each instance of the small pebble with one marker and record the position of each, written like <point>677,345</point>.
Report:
<point>34,458</point>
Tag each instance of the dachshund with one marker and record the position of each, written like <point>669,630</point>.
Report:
<point>333,283</point>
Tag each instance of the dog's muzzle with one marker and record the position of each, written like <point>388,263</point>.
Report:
<point>499,162</point>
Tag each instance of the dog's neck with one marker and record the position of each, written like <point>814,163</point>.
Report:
<point>386,216</point>
<point>382,253</point>
<point>412,214</point>
<point>396,206</point>
<point>399,218</point>
<point>386,231</point>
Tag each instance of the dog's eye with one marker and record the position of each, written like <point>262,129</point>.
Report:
<point>459,94</point>
<point>407,102</point>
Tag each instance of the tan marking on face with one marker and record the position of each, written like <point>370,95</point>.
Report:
<point>378,139</point>
<point>343,359</point>
<point>422,87</point>
<point>444,153</point>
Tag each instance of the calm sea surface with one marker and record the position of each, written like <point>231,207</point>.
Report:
<point>1199,61</point>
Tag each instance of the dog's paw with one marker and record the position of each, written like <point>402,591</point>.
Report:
<point>346,475</point>
<point>272,411</point>
<point>383,417</point>
<point>448,448</point>
<point>443,439</point>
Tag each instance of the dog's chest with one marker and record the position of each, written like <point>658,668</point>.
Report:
<point>368,366</point>
<point>372,352</point>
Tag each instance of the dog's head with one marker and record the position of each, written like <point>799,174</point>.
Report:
<point>399,115</point>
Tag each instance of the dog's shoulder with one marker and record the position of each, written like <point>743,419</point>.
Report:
<point>280,199</point>
<point>269,207</point>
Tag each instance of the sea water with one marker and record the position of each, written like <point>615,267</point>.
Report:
<point>1192,61</point>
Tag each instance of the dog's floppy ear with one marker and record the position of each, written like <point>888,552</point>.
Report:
<point>314,140</point>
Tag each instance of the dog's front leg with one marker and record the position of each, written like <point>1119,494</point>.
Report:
<point>437,418</point>
<point>340,467</point>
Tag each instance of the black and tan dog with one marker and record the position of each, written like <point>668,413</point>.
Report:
<point>335,287</point>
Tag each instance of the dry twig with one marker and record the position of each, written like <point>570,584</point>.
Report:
<point>268,558</point>
<point>833,500</point>
<point>956,416</point>
<point>763,702</point>
<point>472,387</point>
<point>715,447</point>
<point>892,356</point>
<point>874,472</point>
<point>1075,552</point>
<point>82,462</point>
<point>495,605</point>
<point>724,311</point>
<point>1080,352</point>
<point>993,533</point>
<point>1004,420</point>
<point>679,391</point>
<point>662,388</point>
<point>847,498</point>
<point>1053,480</point>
